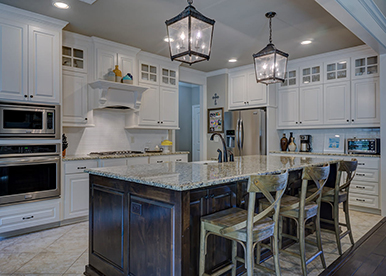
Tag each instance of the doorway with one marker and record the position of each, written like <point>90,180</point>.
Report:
<point>188,97</point>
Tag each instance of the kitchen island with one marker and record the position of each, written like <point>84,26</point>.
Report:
<point>145,219</point>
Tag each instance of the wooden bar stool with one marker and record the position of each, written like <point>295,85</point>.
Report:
<point>339,194</point>
<point>303,208</point>
<point>245,226</point>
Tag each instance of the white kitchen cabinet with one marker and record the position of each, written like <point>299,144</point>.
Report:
<point>288,109</point>
<point>311,105</point>
<point>113,162</point>
<point>365,66</point>
<point>179,158</point>
<point>159,159</point>
<point>337,70</point>
<point>44,65</point>
<point>137,161</point>
<point>291,78</point>
<point>156,71</point>
<point>13,60</point>
<point>74,58</point>
<point>365,101</point>
<point>311,75</point>
<point>148,72</point>
<point>76,194</point>
<point>169,77</point>
<point>150,107</point>
<point>337,103</point>
<point>168,109</point>
<point>244,91</point>
<point>74,98</point>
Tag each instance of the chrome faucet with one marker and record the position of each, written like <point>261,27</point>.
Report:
<point>225,150</point>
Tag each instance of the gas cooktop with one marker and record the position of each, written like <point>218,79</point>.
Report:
<point>120,152</point>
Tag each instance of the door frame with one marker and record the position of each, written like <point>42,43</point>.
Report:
<point>194,149</point>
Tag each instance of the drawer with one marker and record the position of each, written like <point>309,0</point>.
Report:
<point>368,163</point>
<point>79,166</point>
<point>29,215</point>
<point>364,200</point>
<point>367,175</point>
<point>159,159</point>
<point>364,188</point>
<point>113,162</point>
<point>137,161</point>
<point>179,158</point>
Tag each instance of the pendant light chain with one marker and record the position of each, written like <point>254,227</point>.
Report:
<point>270,30</point>
<point>190,2</point>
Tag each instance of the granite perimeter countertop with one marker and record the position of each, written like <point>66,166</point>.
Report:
<point>326,154</point>
<point>90,157</point>
<point>182,176</point>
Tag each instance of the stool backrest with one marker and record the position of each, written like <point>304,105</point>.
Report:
<point>319,176</point>
<point>264,184</point>
<point>349,167</point>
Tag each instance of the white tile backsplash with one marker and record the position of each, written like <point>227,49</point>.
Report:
<point>109,134</point>
<point>318,135</point>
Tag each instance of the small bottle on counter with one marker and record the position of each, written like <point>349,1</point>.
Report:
<point>118,74</point>
<point>292,145</point>
<point>284,143</point>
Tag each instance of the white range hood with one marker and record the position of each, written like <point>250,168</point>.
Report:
<point>108,94</point>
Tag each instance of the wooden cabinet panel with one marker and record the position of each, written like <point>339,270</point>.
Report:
<point>76,195</point>
<point>238,88</point>
<point>74,97</point>
<point>13,60</point>
<point>44,65</point>
<point>337,103</point>
<point>127,65</point>
<point>168,107</point>
<point>256,93</point>
<point>113,162</point>
<point>105,60</point>
<point>150,105</point>
<point>311,105</point>
<point>365,102</point>
<point>288,107</point>
<point>137,160</point>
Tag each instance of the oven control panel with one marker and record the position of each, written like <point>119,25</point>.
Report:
<point>23,150</point>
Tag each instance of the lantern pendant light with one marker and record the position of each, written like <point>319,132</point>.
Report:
<point>190,35</point>
<point>270,63</point>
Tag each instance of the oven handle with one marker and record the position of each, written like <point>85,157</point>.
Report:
<point>28,160</point>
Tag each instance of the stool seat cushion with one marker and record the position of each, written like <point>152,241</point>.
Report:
<point>328,194</point>
<point>311,208</point>
<point>262,229</point>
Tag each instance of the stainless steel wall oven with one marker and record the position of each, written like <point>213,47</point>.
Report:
<point>19,120</point>
<point>29,172</point>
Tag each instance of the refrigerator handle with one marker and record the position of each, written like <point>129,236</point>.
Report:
<point>242,133</point>
<point>238,134</point>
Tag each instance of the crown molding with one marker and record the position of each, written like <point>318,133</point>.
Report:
<point>150,56</point>
<point>110,43</point>
<point>217,72</point>
<point>27,17</point>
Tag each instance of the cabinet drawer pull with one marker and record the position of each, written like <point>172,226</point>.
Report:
<point>212,195</point>
<point>160,161</point>
<point>29,217</point>
<point>361,200</point>
<point>360,187</point>
<point>82,168</point>
<point>361,174</point>
<point>361,164</point>
<point>206,197</point>
<point>178,160</point>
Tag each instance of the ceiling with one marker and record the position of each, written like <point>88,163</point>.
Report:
<point>241,28</point>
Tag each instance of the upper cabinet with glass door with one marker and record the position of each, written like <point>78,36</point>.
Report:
<point>291,79</point>
<point>365,67</point>
<point>169,77</point>
<point>74,59</point>
<point>148,73</point>
<point>337,70</point>
<point>310,75</point>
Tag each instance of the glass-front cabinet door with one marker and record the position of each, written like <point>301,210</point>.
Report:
<point>311,75</point>
<point>169,77</point>
<point>338,70</point>
<point>364,67</point>
<point>290,78</point>
<point>148,73</point>
<point>74,58</point>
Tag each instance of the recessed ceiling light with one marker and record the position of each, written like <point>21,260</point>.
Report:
<point>305,42</point>
<point>166,39</point>
<point>232,60</point>
<point>61,5</point>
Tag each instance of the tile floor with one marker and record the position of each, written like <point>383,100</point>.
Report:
<point>63,250</point>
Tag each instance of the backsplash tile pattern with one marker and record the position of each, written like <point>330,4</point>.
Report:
<point>110,134</point>
<point>318,135</point>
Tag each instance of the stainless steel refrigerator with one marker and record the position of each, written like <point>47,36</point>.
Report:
<point>245,131</point>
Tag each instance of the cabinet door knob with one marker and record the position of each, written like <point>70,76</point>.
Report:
<point>25,96</point>
<point>85,119</point>
<point>31,96</point>
<point>300,122</point>
<point>296,122</point>
<point>247,102</point>
<point>352,120</point>
<point>348,121</point>
<point>158,122</point>
<point>162,122</point>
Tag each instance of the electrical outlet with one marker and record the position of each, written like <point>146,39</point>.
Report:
<point>216,139</point>
<point>132,139</point>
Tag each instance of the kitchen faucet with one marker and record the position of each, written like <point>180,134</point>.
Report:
<point>225,150</point>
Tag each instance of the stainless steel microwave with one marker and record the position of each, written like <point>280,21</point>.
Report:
<point>20,120</point>
<point>363,146</point>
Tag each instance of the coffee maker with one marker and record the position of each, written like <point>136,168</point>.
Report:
<point>305,143</point>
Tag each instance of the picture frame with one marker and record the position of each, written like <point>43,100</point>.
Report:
<point>333,143</point>
<point>216,120</point>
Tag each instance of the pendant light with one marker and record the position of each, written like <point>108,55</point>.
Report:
<point>270,63</point>
<point>190,35</point>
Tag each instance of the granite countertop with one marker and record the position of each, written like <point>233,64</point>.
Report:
<point>182,176</point>
<point>90,157</point>
<point>327,154</point>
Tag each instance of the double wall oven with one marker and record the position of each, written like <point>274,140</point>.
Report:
<point>29,162</point>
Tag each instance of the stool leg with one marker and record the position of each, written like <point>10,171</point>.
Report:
<point>280,238</point>
<point>249,257</point>
<point>258,253</point>
<point>319,240</point>
<point>275,253</point>
<point>302,245</point>
<point>347,215</point>
<point>234,254</point>
<point>202,249</point>
<point>336,225</point>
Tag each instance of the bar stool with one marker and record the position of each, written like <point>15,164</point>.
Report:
<point>245,226</point>
<point>339,194</point>
<point>303,208</point>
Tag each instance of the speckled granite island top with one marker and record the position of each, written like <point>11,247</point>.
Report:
<point>182,176</point>
<point>96,156</point>
<point>326,154</point>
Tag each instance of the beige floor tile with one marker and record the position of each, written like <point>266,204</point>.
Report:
<point>79,266</point>
<point>49,262</point>
<point>10,262</point>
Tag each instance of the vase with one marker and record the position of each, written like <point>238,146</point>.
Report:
<point>292,145</point>
<point>284,143</point>
<point>118,74</point>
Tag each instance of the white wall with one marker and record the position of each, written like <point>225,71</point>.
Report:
<point>318,135</point>
<point>109,134</point>
<point>382,86</point>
